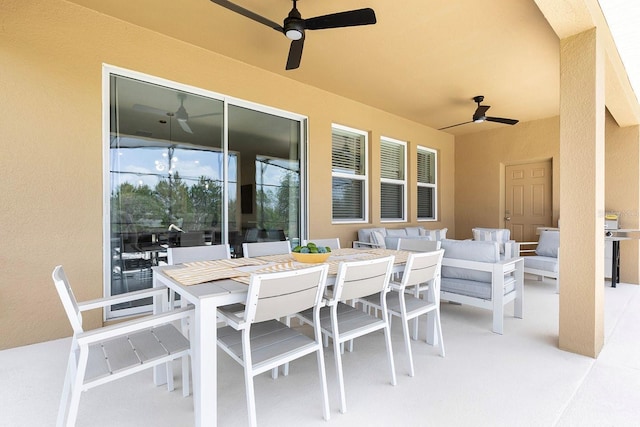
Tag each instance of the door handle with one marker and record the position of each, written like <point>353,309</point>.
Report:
<point>507,218</point>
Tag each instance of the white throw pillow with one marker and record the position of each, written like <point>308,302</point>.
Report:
<point>549,243</point>
<point>378,239</point>
<point>496,235</point>
<point>434,234</point>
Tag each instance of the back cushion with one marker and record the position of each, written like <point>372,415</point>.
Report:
<point>499,235</point>
<point>434,234</point>
<point>549,243</point>
<point>364,234</point>
<point>414,231</point>
<point>473,251</point>
<point>378,239</point>
<point>399,232</point>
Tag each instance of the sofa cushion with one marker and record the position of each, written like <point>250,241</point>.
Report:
<point>378,239</point>
<point>544,263</point>
<point>396,232</point>
<point>435,234</point>
<point>473,288</point>
<point>471,250</point>
<point>413,231</point>
<point>500,235</point>
<point>364,234</point>
<point>549,243</point>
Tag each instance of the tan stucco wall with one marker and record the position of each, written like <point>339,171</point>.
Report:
<point>52,54</point>
<point>480,161</point>
<point>622,190</point>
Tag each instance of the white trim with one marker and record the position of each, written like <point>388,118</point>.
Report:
<point>434,185</point>
<point>364,177</point>
<point>402,182</point>
<point>109,70</point>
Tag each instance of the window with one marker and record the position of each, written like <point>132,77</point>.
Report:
<point>393,180</point>
<point>348,174</point>
<point>427,185</point>
<point>186,167</point>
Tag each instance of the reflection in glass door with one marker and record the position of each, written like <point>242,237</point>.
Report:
<point>178,177</point>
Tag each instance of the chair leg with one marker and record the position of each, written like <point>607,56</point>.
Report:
<point>248,378</point>
<point>338,360</point>
<point>407,344</point>
<point>186,385</point>
<point>169,368</point>
<point>326,414</point>
<point>66,391</point>
<point>76,388</point>
<point>439,326</point>
<point>387,336</point>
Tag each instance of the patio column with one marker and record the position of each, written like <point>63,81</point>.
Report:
<point>582,160</point>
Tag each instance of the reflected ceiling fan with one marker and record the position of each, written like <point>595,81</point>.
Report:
<point>180,114</point>
<point>294,25</point>
<point>481,115</point>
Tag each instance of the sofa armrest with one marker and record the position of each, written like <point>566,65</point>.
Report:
<point>368,245</point>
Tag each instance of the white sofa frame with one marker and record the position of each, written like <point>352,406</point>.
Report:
<point>498,299</point>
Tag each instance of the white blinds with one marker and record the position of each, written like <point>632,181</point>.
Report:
<point>348,166</point>
<point>347,152</point>
<point>391,160</point>
<point>392,179</point>
<point>426,167</point>
<point>426,184</point>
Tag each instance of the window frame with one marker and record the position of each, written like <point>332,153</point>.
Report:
<point>364,178</point>
<point>433,185</point>
<point>398,182</point>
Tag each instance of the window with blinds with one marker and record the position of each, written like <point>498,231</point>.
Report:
<point>427,186</point>
<point>393,182</point>
<point>349,174</point>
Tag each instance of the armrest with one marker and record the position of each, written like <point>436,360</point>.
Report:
<point>232,319</point>
<point>521,251</point>
<point>358,244</point>
<point>117,299</point>
<point>506,265</point>
<point>100,334</point>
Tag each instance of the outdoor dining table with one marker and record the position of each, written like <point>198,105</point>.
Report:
<point>211,284</point>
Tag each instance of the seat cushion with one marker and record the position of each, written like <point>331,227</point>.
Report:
<point>541,263</point>
<point>473,288</point>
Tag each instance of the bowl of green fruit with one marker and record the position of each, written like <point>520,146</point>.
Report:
<point>311,253</point>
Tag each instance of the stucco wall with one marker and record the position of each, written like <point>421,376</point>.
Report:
<point>52,54</point>
<point>480,161</point>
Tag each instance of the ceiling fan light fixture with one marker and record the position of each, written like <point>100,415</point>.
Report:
<point>293,34</point>
<point>479,119</point>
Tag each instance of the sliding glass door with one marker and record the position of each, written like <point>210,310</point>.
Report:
<point>186,168</point>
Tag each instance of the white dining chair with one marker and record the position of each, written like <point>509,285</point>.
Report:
<point>333,243</point>
<point>342,322</point>
<point>102,355</point>
<point>180,255</point>
<point>421,267</point>
<point>259,343</point>
<point>252,250</point>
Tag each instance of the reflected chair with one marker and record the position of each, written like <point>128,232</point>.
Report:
<point>342,322</point>
<point>333,243</point>
<point>260,343</point>
<point>180,255</point>
<point>252,250</point>
<point>112,352</point>
<point>402,302</point>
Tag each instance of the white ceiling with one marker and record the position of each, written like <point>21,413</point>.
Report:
<point>423,60</point>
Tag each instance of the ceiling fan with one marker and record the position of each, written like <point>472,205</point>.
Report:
<point>180,114</point>
<point>294,25</point>
<point>481,115</point>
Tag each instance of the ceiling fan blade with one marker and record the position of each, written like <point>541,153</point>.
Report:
<point>295,54</point>
<point>150,110</point>
<point>452,126</point>
<point>481,111</point>
<point>205,115</point>
<point>185,126</point>
<point>502,120</point>
<point>248,14</point>
<point>349,18</point>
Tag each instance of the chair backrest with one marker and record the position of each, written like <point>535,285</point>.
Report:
<point>251,250</point>
<point>422,267</point>
<point>358,279</point>
<point>69,301</point>
<point>192,238</point>
<point>418,245</point>
<point>333,243</point>
<point>276,295</point>
<point>181,255</point>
